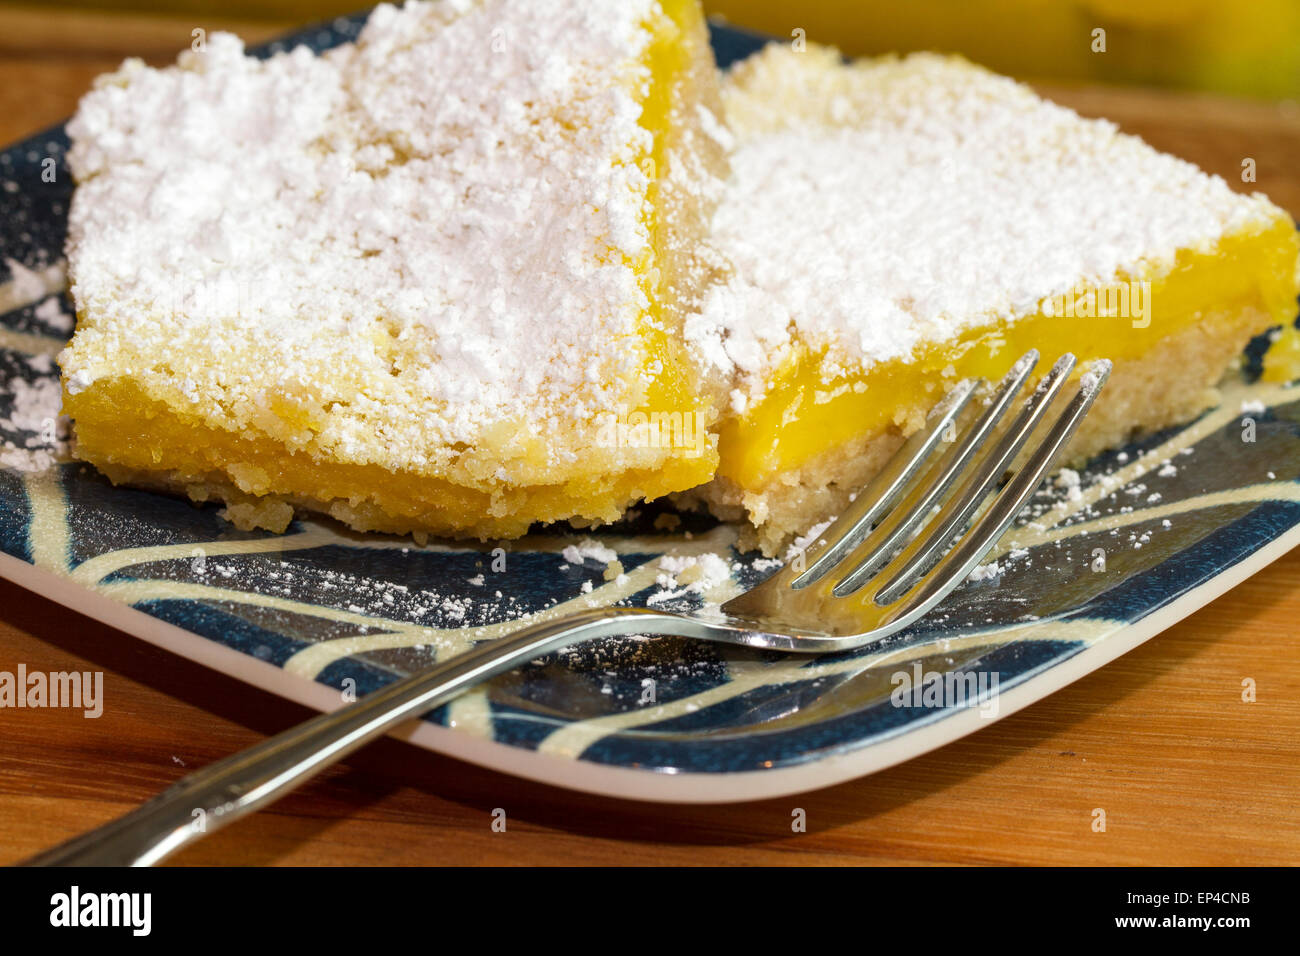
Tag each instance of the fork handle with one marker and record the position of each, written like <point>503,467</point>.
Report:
<point>207,800</point>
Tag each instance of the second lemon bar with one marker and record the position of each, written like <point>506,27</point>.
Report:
<point>894,225</point>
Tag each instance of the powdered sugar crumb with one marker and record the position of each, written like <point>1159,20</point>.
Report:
<point>803,542</point>
<point>36,435</point>
<point>588,548</point>
<point>680,576</point>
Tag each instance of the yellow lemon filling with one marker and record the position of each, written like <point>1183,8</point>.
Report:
<point>1239,289</point>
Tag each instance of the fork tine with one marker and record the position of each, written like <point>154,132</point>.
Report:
<point>953,568</point>
<point>874,501</point>
<point>918,558</point>
<point>893,534</point>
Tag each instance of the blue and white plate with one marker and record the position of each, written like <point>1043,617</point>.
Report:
<point>1146,536</point>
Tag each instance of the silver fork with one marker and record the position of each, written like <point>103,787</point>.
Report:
<point>872,573</point>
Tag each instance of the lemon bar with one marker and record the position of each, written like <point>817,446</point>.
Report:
<point>432,281</point>
<point>894,225</point>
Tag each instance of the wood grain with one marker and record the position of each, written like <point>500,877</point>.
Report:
<point>1161,740</point>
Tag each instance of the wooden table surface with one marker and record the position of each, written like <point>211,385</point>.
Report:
<point>1161,740</point>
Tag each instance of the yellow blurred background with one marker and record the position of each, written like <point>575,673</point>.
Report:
<point>1247,47</point>
<point>1243,47</point>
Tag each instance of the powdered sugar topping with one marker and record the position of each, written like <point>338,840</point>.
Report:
<point>877,207</point>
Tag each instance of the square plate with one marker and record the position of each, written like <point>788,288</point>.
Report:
<point>1149,534</point>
